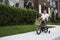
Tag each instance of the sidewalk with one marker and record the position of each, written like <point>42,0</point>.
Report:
<point>54,35</point>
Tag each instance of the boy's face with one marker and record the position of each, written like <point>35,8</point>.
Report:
<point>44,11</point>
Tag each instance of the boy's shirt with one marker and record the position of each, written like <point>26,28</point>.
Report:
<point>45,16</point>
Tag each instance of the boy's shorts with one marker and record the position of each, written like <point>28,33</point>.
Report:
<point>46,21</point>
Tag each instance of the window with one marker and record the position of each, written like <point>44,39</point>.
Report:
<point>1,0</point>
<point>44,8</point>
<point>29,4</point>
<point>17,4</point>
<point>47,0</point>
<point>53,3</point>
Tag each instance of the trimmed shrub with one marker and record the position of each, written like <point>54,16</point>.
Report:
<point>16,16</point>
<point>53,17</point>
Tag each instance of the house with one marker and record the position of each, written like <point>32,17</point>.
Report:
<point>45,4</point>
<point>58,6</point>
<point>15,3</point>
<point>4,2</point>
<point>48,5</point>
<point>39,5</point>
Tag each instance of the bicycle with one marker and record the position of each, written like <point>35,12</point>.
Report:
<point>42,27</point>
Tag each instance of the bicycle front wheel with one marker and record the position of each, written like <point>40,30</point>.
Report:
<point>38,30</point>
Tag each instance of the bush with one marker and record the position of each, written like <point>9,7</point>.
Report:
<point>53,17</point>
<point>15,16</point>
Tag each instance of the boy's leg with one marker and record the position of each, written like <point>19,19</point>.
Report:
<point>42,26</point>
<point>46,23</point>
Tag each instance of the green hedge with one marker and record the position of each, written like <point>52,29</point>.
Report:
<point>15,16</point>
<point>52,17</point>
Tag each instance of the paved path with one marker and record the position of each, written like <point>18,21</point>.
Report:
<point>54,35</point>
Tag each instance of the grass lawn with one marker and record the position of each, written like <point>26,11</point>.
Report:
<point>11,30</point>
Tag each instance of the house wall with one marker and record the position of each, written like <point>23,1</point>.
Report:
<point>21,3</point>
<point>42,3</point>
<point>59,8</point>
<point>2,2</point>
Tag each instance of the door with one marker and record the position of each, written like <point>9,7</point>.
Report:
<point>44,8</point>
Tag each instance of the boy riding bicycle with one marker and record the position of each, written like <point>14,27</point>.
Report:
<point>43,23</point>
<point>44,17</point>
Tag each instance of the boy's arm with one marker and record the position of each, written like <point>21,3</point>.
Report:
<point>49,16</point>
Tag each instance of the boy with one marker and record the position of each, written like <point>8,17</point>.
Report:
<point>45,16</point>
